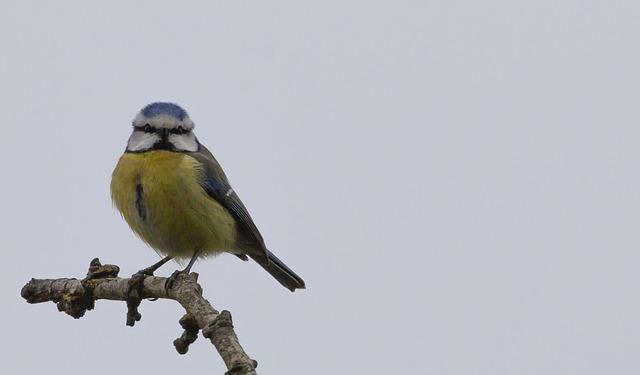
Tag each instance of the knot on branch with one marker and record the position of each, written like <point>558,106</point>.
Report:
<point>190,334</point>
<point>76,302</point>
<point>79,300</point>
<point>99,271</point>
<point>135,294</point>
<point>71,296</point>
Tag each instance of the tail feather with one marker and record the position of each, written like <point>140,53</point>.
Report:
<point>280,272</point>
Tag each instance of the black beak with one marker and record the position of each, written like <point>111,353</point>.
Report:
<point>163,143</point>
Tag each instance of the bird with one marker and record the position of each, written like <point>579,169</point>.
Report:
<point>175,196</point>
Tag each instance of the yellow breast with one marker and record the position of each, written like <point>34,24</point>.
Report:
<point>160,195</point>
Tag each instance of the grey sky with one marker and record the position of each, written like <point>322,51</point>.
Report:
<point>457,182</point>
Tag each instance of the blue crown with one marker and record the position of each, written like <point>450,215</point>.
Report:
<point>160,108</point>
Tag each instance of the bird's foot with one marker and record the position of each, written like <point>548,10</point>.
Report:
<point>172,279</point>
<point>137,279</point>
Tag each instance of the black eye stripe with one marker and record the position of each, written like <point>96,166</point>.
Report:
<point>179,130</point>
<point>146,128</point>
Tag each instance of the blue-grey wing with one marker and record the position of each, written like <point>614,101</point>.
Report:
<point>217,185</point>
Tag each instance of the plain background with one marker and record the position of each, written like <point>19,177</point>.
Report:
<point>456,181</point>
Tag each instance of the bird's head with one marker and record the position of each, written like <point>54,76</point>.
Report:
<point>162,126</point>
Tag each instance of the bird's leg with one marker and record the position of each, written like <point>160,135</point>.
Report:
<point>186,270</point>
<point>154,267</point>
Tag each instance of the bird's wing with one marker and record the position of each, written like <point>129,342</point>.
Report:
<point>217,185</point>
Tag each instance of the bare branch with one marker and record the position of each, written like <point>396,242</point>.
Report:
<point>76,297</point>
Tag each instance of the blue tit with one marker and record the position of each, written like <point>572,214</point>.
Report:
<point>174,195</point>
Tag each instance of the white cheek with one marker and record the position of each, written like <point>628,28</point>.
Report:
<point>140,141</point>
<point>184,142</point>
